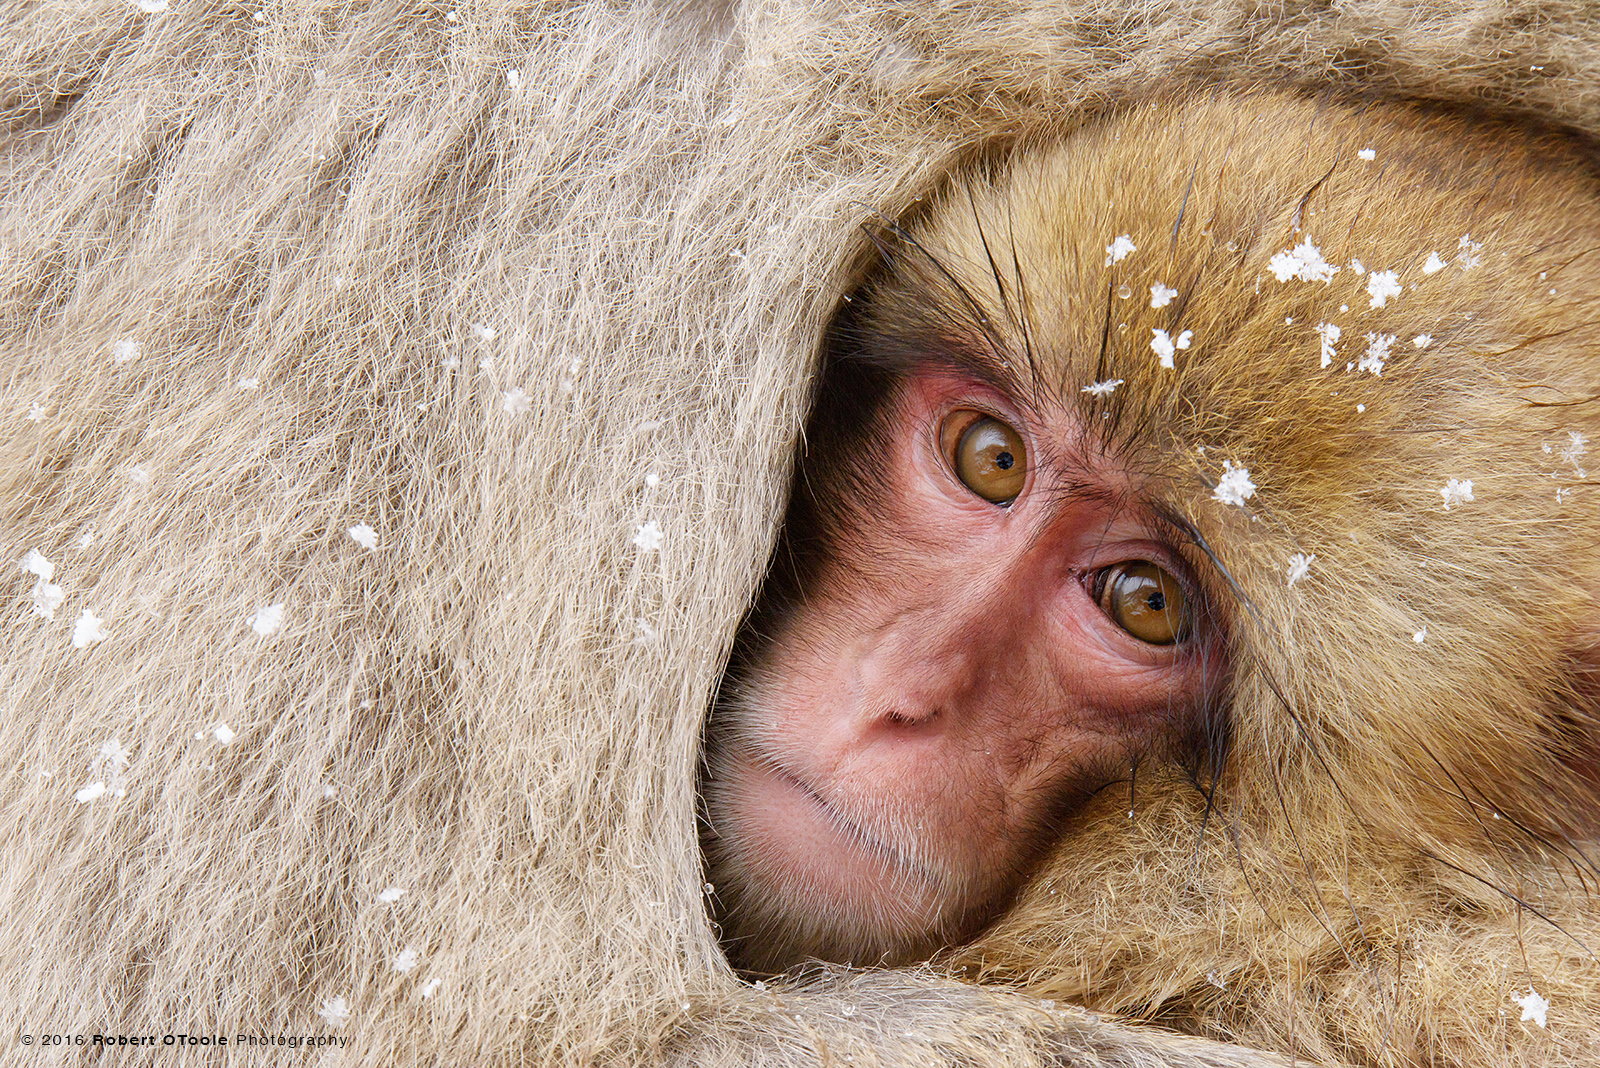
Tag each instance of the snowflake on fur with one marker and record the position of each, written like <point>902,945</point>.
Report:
<point>1381,285</point>
<point>1456,491</point>
<point>1120,249</point>
<point>390,894</point>
<point>1304,262</point>
<point>87,630</point>
<point>1378,346</point>
<point>1577,445</point>
<point>1534,1007</point>
<point>649,537</point>
<point>124,349</point>
<point>364,536</point>
<point>335,1012</point>
<point>1161,296</point>
<point>267,619</point>
<point>1235,486</point>
<point>1470,252</point>
<point>1328,334</point>
<point>1103,389</point>
<point>407,959</point>
<point>1434,264</point>
<point>1165,346</point>
<point>515,402</point>
<point>1300,566</point>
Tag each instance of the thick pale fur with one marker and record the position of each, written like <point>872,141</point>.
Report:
<point>505,696</point>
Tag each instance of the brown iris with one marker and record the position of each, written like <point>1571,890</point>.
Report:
<point>986,454</point>
<point>1147,602</point>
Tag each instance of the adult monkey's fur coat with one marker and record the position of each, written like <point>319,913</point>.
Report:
<point>497,709</point>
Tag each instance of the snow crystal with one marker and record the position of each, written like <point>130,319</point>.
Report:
<point>1534,1007</point>
<point>248,383</point>
<point>1420,636</point>
<point>1299,566</point>
<point>224,733</point>
<point>1381,285</point>
<point>364,535</point>
<point>1328,333</point>
<point>407,959</point>
<point>1103,389</point>
<point>1161,296</point>
<point>484,332</point>
<point>515,402</point>
<point>1378,346</point>
<point>35,563</point>
<point>1235,486</point>
<point>267,619</point>
<point>1358,267</point>
<point>112,752</point>
<point>1422,341</point>
<point>1577,445</point>
<point>1434,264</point>
<point>1368,154</point>
<point>390,894</point>
<point>431,987</point>
<point>1456,491</point>
<point>1470,254</point>
<point>87,630</point>
<point>93,792</point>
<point>335,1012</point>
<point>1304,262</point>
<point>47,597</point>
<point>653,479</point>
<point>1119,249</point>
<point>649,537</point>
<point>513,77</point>
<point>1164,346</point>
<point>126,348</point>
<point>35,412</point>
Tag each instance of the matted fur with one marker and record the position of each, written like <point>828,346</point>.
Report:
<point>498,708</point>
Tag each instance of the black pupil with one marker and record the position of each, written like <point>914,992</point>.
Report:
<point>1004,461</point>
<point>1157,601</point>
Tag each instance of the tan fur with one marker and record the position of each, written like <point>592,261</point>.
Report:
<point>506,695</point>
<point>1402,838</point>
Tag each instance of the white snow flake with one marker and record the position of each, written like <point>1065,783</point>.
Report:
<point>34,563</point>
<point>484,332</point>
<point>407,959</point>
<point>1381,285</point>
<point>1358,267</point>
<point>127,348</point>
<point>1368,154</point>
<point>1103,389</point>
<point>1164,346</point>
<point>93,792</point>
<point>267,619</point>
<point>47,597</point>
<point>649,537</point>
<point>87,630</point>
<point>1378,346</point>
<point>364,535</point>
<point>335,1012</point>
<point>1470,254</point>
<point>515,402</point>
<point>1119,249</point>
<point>35,412</point>
<point>1161,296</point>
<point>390,894</point>
<point>1420,636</point>
<point>1434,264</point>
<point>513,77</point>
<point>653,479</point>
<point>248,383</point>
<point>1235,486</point>
<point>224,733</point>
<point>1328,333</point>
<point>1456,491</point>
<point>1422,341</point>
<point>1534,1007</point>
<point>1304,262</point>
<point>431,987</point>
<point>1299,566</point>
<point>1577,445</point>
<point>112,752</point>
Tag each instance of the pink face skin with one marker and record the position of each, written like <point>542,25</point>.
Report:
<point>946,689</point>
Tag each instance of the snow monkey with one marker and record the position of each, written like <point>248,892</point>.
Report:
<point>1189,605</point>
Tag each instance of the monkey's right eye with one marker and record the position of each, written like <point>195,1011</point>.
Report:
<point>987,456</point>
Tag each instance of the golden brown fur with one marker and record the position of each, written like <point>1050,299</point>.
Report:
<point>645,235</point>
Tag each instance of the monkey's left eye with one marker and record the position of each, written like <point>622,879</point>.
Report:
<point>987,455</point>
<point>1146,601</point>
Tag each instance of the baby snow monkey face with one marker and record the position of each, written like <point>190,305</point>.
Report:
<point>977,623</point>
